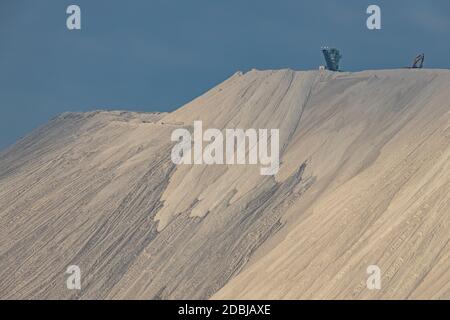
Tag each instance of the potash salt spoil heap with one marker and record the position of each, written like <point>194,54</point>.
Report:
<point>364,179</point>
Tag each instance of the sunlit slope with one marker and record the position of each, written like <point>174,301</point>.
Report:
<point>364,180</point>
<point>378,145</point>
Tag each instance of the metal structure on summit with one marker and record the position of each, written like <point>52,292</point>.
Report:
<point>332,58</point>
<point>418,61</point>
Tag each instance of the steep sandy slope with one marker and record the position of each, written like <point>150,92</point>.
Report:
<point>364,179</point>
<point>378,145</point>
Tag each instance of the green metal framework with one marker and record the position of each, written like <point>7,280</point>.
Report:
<point>332,58</point>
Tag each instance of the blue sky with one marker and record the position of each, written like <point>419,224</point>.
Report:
<point>156,55</point>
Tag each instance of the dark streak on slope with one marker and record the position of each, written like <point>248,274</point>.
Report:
<point>186,264</point>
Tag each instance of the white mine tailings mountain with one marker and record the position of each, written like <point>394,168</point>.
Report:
<point>364,180</point>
